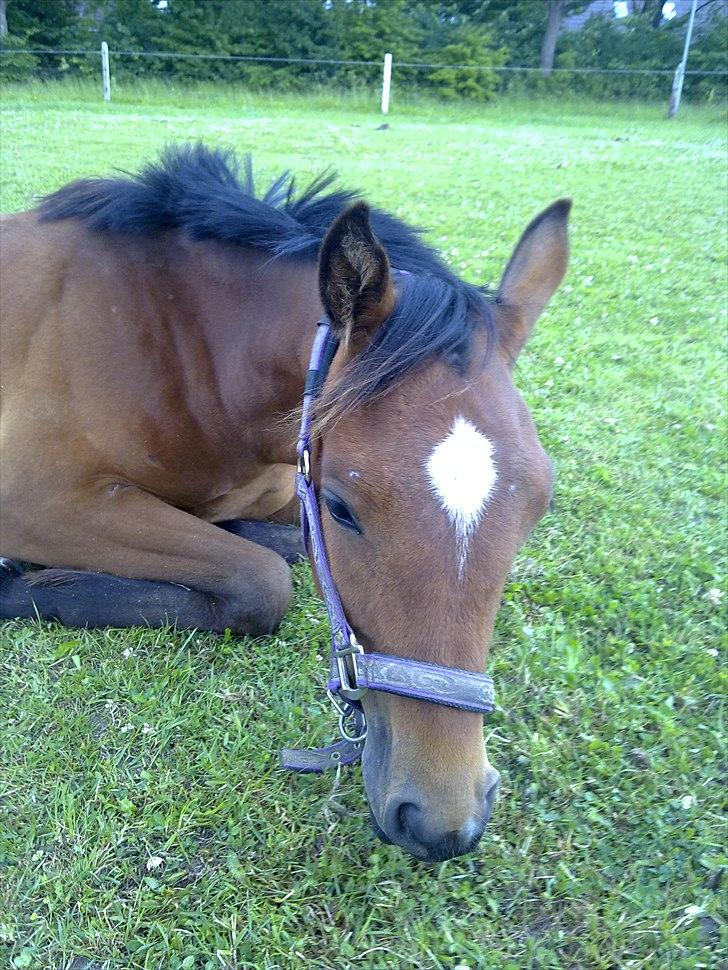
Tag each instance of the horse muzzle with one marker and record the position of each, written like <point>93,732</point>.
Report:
<point>411,821</point>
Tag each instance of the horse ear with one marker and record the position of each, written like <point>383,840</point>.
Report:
<point>354,277</point>
<point>534,271</point>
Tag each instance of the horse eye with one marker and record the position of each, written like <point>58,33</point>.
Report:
<point>341,513</point>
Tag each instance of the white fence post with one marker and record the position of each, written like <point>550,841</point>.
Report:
<point>386,83</point>
<point>676,92</point>
<point>105,76</point>
<point>677,84</point>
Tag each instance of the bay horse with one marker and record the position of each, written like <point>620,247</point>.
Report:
<point>155,337</point>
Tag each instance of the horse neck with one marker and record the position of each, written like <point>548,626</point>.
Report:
<point>258,319</point>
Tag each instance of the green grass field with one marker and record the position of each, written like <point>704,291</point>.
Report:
<point>143,819</point>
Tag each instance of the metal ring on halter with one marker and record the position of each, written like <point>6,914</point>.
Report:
<point>346,711</point>
<point>342,709</point>
<point>354,738</point>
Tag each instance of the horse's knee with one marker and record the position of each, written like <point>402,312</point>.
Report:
<point>257,603</point>
<point>275,594</point>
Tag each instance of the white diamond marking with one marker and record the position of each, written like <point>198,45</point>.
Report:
<point>463,474</point>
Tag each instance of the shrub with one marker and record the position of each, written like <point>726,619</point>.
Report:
<point>473,49</point>
<point>16,67</point>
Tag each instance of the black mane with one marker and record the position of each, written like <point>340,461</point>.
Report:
<point>202,191</point>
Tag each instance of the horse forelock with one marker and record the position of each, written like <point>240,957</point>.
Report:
<point>432,319</point>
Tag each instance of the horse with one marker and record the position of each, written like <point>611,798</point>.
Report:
<point>156,330</point>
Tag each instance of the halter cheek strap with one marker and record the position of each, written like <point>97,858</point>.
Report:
<point>353,672</point>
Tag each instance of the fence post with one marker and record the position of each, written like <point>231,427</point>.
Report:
<point>105,76</point>
<point>386,83</point>
<point>677,84</point>
<point>676,92</point>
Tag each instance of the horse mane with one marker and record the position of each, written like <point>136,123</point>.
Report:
<point>210,195</point>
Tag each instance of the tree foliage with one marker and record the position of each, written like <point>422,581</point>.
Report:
<point>473,55</point>
<point>479,36</point>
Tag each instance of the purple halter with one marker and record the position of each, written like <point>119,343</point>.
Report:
<point>354,672</point>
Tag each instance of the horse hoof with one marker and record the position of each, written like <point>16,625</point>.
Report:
<point>11,566</point>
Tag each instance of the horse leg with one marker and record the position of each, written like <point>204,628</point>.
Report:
<point>136,560</point>
<point>284,539</point>
<point>88,599</point>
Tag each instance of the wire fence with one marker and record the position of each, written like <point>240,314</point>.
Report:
<point>491,70</point>
<point>425,65</point>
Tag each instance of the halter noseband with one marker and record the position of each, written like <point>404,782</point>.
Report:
<point>352,671</point>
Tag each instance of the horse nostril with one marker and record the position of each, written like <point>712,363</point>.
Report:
<point>401,823</point>
<point>406,819</point>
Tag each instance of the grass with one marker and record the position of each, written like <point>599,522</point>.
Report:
<point>143,820</point>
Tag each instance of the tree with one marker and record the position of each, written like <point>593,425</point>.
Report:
<point>518,25</point>
<point>557,10</point>
<point>554,16</point>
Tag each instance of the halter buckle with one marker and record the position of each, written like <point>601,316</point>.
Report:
<point>348,675</point>
<point>303,464</point>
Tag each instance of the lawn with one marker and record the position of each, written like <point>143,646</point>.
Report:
<point>143,819</point>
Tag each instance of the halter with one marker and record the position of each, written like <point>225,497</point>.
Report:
<point>353,672</point>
